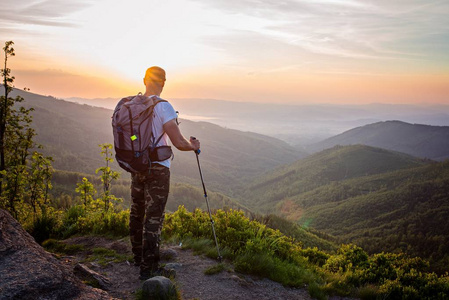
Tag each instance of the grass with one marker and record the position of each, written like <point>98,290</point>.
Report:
<point>215,269</point>
<point>264,265</point>
<point>206,247</point>
<point>104,256</point>
<point>59,247</point>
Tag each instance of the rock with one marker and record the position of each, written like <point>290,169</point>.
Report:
<point>159,287</point>
<point>168,254</point>
<point>29,272</point>
<point>95,279</point>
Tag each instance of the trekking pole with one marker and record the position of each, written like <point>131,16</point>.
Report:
<point>197,152</point>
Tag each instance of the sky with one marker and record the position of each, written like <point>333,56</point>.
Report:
<point>285,51</point>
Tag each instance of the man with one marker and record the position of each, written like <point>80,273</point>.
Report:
<point>149,190</point>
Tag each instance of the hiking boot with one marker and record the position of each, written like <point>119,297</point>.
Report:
<point>161,271</point>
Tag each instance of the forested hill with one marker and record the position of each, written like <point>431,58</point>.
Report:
<point>331,165</point>
<point>375,198</point>
<point>418,140</point>
<point>402,211</point>
<point>71,133</point>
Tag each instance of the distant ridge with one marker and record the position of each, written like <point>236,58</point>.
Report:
<point>423,141</point>
<point>331,165</point>
<point>71,132</point>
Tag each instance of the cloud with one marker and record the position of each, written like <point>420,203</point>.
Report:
<point>45,13</point>
<point>340,28</point>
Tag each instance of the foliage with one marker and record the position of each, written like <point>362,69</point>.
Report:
<point>377,199</point>
<point>86,191</point>
<point>331,165</point>
<point>259,250</point>
<point>44,226</point>
<point>81,220</point>
<point>107,177</point>
<point>39,181</point>
<point>305,236</point>
<point>24,181</point>
<point>100,216</point>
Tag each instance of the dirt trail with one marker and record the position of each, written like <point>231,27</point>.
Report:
<point>190,278</point>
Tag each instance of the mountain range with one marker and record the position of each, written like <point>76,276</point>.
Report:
<point>375,197</point>
<point>299,124</point>
<point>71,134</point>
<point>415,139</point>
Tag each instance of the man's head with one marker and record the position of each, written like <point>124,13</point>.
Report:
<point>154,80</point>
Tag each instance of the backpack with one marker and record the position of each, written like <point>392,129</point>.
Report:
<point>132,129</point>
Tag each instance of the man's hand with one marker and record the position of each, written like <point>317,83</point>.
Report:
<point>195,143</point>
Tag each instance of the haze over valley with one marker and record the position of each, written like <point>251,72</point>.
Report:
<point>299,125</point>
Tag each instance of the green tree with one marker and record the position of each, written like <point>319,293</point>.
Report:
<point>16,139</point>
<point>6,102</point>
<point>39,182</point>
<point>23,181</point>
<point>86,191</point>
<point>107,176</point>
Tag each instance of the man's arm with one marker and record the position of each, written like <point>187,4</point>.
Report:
<point>178,140</point>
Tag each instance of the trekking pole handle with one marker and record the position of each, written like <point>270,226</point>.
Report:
<point>196,151</point>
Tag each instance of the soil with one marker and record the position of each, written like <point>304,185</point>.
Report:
<point>190,278</point>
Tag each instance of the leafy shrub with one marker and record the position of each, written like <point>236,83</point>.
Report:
<point>43,227</point>
<point>259,250</point>
<point>265,265</point>
<point>80,220</point>
<point>348,257</point>
<point>315,256</point>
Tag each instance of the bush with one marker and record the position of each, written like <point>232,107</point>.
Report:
<point>262,251</point>
<point>349,257</point>
<point>44,227</point>
<point>265,265</point>
<point>78,220</point>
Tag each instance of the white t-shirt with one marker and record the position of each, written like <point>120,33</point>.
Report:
<point>163,112</point>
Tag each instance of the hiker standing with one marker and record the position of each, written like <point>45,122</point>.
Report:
<point>149,189</point>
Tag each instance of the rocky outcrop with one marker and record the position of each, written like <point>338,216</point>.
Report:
<point>27,271</point>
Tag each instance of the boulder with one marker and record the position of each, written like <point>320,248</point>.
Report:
<point>27,271</point>
<point>168,254</point>
<point>159,287</point>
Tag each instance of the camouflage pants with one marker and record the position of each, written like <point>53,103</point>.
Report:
<point>149,193</point>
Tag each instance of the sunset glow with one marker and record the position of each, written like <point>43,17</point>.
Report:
<point>303,51</point>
